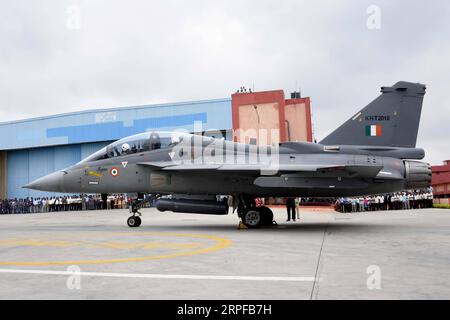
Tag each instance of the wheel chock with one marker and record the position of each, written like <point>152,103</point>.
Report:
<point>242,226</point>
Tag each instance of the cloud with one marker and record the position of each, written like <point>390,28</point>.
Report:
<point>140,52</point>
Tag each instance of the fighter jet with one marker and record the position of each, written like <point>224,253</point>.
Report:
<point>374,152</point>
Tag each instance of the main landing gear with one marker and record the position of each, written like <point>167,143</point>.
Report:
<point>252,216</point>
<point>135,220</point>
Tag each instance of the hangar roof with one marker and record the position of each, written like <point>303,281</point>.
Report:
<point>114,123</point>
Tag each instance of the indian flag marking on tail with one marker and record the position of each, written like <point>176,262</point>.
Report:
<point>373,130</point>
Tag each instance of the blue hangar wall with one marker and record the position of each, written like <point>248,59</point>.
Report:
<point>39,146</point>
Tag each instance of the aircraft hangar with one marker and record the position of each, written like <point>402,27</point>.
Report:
<point>35,147</point>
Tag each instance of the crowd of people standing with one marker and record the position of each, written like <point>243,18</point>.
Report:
<point>394,201</point>
<point>62,203</point>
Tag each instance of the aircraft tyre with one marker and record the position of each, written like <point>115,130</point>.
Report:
<point>134,221</point>
<point>252,218</point>
<point>266,216</point>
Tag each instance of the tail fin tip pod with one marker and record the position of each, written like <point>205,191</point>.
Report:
<point>391,120</point>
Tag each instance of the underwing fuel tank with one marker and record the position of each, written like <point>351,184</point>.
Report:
<point>417,174</point>
<point>193,206</point>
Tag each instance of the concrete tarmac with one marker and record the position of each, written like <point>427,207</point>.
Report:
<point>325,255</point>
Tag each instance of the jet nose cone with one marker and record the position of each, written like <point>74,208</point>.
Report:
<point>52,182</point>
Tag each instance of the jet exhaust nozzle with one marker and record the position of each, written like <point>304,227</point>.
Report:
<point>417,174</point>
<point>193,206</point>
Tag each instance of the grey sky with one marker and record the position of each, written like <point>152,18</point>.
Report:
<point>140,52</point>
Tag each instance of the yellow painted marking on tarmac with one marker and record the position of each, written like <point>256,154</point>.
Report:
<point>149,245</point>
<point>110,245</point>
<point>220,243</point>
<point>35,243</point>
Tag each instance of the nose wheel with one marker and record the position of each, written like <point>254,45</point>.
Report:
<point>134,221</point>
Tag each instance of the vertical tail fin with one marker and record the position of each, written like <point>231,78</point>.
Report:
<point>391,120</point>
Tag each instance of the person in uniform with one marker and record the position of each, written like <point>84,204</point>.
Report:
<point>290,206</point>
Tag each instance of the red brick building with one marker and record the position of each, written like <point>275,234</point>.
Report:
<point>441,183</point>
<point>269,118</point>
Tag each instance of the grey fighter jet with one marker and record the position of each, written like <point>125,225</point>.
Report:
<point>374,152</point>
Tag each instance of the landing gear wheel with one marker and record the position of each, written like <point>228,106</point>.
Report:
<point>252,218</point>
<point>134,221</point>
<point>266,216</point>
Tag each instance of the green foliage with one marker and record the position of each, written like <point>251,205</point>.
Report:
<point>441,206</point>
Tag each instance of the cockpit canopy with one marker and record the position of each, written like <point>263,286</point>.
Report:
<point>138,143</point>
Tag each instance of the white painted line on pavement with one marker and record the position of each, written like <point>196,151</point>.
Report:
<point>160,276</point>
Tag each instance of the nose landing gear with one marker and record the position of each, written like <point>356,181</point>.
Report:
<point>135,220</point>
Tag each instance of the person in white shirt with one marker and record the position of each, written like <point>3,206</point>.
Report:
<point>44,205</point>
<point>297,206</point>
